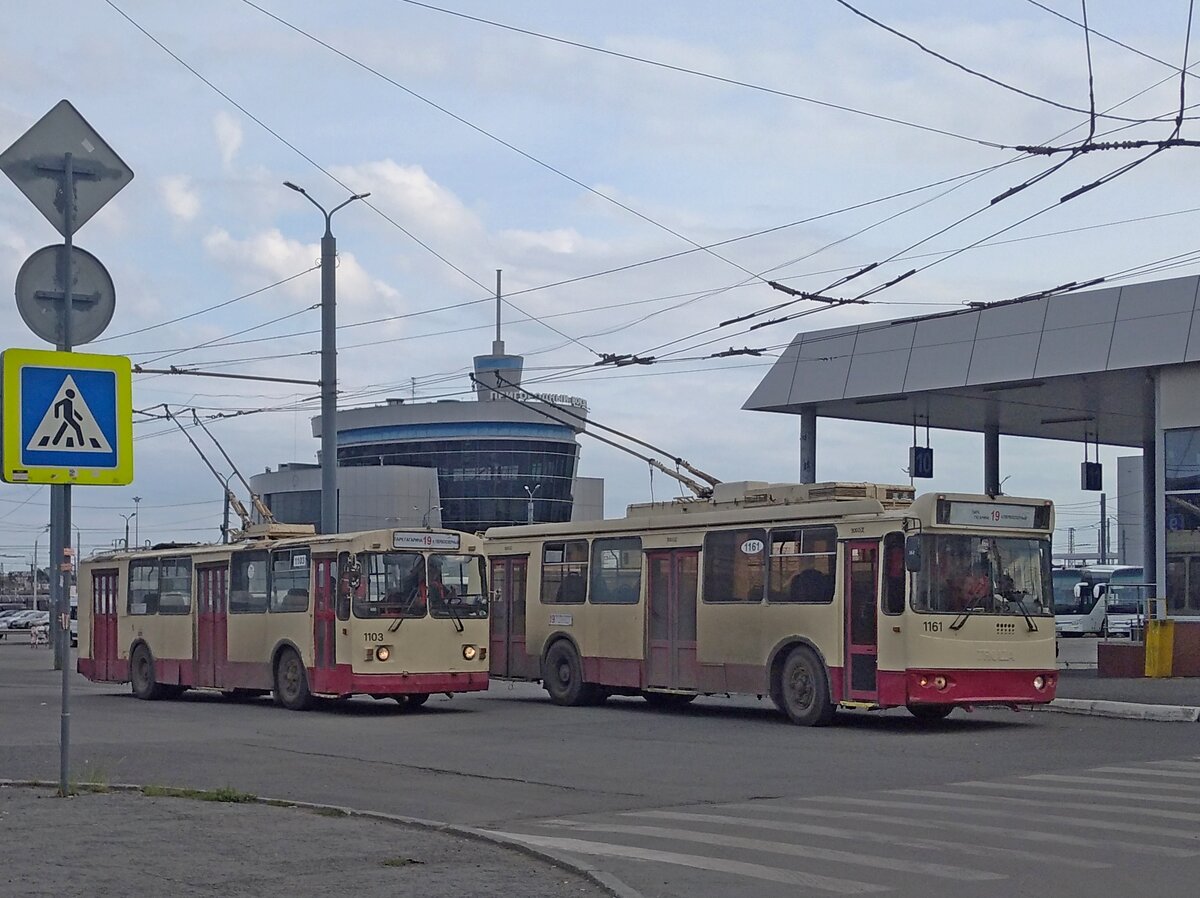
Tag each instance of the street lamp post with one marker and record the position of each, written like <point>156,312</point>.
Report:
<point>529,507</point>
<point>137,541</point>
<point>128,518</point>
<point>36,539</point>
<point>428,512</point>
<point>328,361</point>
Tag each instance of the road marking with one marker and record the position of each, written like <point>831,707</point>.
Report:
<point>1068,805</point>
<point>1026,835</point>
<point>1142,771</point>
<point>699,862</point>
<point>1182,765</point>
<point>858,835</point>
<point>1086,822</point>
<point>1081,793</point>
<point>1102,781</point>
<point>942,871</point>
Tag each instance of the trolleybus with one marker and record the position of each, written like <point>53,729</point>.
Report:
<point>817,595</point>
<point>389,613</point>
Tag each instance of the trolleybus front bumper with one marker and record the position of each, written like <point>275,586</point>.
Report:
<point>979,687</point>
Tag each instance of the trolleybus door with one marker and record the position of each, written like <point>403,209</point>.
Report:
<point>671,619</point>
<point>104,624</point>
<point>507,640</point>
<point>211,623</point>
<point>862,618</point>
<point>325,613</point>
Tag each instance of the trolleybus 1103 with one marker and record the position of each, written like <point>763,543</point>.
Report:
<point>818,595</point>
<point>389,613</point>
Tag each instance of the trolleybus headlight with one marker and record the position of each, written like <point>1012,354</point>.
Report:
<point>1039,683</point>
<point>383,653</point>
<point>939,682</point>
<point>470,652</point>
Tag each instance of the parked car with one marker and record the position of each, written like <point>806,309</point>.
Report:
<point>23,620</point>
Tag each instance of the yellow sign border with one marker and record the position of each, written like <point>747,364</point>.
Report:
<point>14,361</point>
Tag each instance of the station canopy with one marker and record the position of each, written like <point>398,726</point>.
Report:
<point>1053,367</point>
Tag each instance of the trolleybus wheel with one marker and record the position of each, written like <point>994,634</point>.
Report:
<point>141,675</point>
<point>412,700</point>
<point>930,712</point>
<point>563,676</point>
<point>803,689</point>
<point>291,682</point>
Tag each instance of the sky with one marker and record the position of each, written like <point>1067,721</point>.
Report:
<point>637,171</point>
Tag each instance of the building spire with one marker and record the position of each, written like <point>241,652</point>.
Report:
<point>498,343</point>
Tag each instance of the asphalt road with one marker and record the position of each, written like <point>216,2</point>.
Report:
<point>721,799</point>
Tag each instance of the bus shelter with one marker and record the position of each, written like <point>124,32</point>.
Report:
<point>1117,365</point>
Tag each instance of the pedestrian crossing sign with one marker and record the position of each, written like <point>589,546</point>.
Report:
<point>67,418</point>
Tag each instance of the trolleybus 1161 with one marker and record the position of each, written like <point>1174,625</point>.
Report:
<point>819,596</point>
<point>388,613</point>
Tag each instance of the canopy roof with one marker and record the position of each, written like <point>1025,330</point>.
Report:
<point>1051,367</point>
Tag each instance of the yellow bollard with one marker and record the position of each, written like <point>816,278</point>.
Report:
<point>1160,646</point>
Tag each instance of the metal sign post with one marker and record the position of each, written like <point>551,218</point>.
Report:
<point>68,191</point>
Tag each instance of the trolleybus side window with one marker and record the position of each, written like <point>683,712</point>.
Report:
<point>457,586</point>
<point>143,586</point>
<point>893,573</point>
<point>175,586</point>
<point>616,571</point>
<point>289,580</point>
<point>802,565</point>
<point>160,586</point>
<point>248,583</point>
<point>734,567</point>
<point>396,586</point>
<point>564,572</point>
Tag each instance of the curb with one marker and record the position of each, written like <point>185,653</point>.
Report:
<point>1124,710</point>
<point>605,881</point>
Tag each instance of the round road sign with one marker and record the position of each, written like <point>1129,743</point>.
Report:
<point>40,295</point>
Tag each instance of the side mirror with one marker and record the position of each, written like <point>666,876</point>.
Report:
<point>1077,589</point>
<point>912,554</point>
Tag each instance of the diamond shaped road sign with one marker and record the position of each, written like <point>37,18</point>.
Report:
<point>36,164</point>
<point>67,418</point>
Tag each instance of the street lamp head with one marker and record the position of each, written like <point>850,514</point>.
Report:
<point>294,187</point>
<point>361,196</point>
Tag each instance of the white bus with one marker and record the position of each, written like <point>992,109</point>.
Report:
<point>1086,612</point>
<point>820,595</point>
<point>390,614</point>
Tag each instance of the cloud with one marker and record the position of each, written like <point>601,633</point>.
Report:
<point>268,256</point>
<point>412,196</point>
<point>179,197</point>
<point>229,136</point>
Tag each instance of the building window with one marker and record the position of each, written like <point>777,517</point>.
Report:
<point>564,572</point>
<point>734,566</point>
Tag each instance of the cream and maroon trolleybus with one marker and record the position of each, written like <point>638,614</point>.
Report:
<point>389,613</point>
<point>818,595</point>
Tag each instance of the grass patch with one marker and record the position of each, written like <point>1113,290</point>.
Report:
<point>401,862</point>
<point>94,779</point>
<point>225,794</point>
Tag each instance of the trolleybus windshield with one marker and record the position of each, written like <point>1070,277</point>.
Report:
<point>990,575</point>
<point>404,585</point>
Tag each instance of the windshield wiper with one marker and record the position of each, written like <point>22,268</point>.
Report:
<point>454,615</point>
<point>1029,621</point>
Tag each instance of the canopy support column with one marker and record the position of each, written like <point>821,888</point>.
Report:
<point>991,459</point>
<point>808,444</point>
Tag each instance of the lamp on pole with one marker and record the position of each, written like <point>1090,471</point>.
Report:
<point>529,507</point>
<point>428,512</point>
<point>35,564</point>
<point>136,539</point>
<point>128,518</point>
<point>328,361</point>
